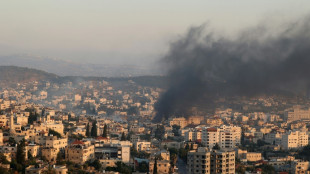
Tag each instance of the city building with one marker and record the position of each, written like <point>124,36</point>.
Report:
<point>80,151</point>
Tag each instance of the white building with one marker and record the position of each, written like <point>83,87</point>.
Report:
<point>224,136</point>
<point>294,139</point>
<point>193,135</point>
<point>142,146</point>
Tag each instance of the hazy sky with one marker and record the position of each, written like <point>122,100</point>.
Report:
<point>115,31</point>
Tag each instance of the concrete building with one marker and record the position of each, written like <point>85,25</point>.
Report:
<point>300,167</point>
<point>203,161</point>
<point>224,136</point>
<point>113,152</point>
<point>182,122</point>
<point>246,156</point>
<point>60,169</point>
<point>294,139</point>
<point>142,146</point>
<point>297,113</point>
<point>163,166</point>
<point>198,162</point>
<point>80,151</point>
<point>50,154</point>
<point>193,135</point>
<point>195,120</point>
<point>222,162</point>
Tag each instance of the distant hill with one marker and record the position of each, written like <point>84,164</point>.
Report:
<point>12,74</point>
<point>69,68</point>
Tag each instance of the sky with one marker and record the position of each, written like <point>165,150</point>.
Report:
<point>124,32</point>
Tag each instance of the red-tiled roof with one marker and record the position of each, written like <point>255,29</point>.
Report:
<point>198,140</point>
<point>211,129</point>
<point>78,142</point>
<point>42,132</point>
<point>101,138</point>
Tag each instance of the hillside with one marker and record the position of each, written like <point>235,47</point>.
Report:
<point>10,75</point>
<point>68,68</point>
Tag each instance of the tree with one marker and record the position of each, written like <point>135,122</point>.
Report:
<point>105,131</point>
<point>216,147</point>
<point>3,159</point>
<point>4,171</point>
<point>12,141</point>
<point>142,154</point>
<point>93,131</point>
<point>33,115</point>
<point>96,164</point>
<point>20,154</point>
<point>15,166</point>
<point>146,137</point>
<point>155,167</point>
<point>132,111</point>
<point>60,159</point>
<point>268,169</point>
<point>175,130</point>
<point>192,146</point>
<point>183,154</point>
<point>129,136</point>
<point>121,168</point>
<point>87,130</point>
<point>305,153</point>
<point>143,167</point>
<point>187,146</point>
<point>54,133</point>
<point>160,132</point>
<point>123,137</point>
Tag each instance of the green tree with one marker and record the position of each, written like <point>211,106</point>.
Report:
<point>216,147</point>
<point>146,137</point>
<point>268,169</point>
<point>96,164</point>
<point>3,159</point>
<point>54,133</point>
<point>93,131</point>
<point>4,171</point>
<point>160,132</point>
<point>123,137</point>
<point>12,141</point>
<point>132,111</point>
<point>87,130</point>
<point>187,146</point>
<point>192,146</point>
<point>183,154</point>
<point>175,130</point>
<point>105,131</point>
<point>129,136</point>
<point>15,166</point>
<point>121,168</point>
<point>155,167</point>
<point>20,154</point>
<point>32,115</point>
<point>143,167</point>
<point>60,159</point>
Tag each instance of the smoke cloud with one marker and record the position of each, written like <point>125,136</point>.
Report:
<point>204,66</point>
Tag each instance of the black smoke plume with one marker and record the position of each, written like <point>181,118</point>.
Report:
<point>204,66</point>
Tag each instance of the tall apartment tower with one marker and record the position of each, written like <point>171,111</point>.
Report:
<point>198,162</point>
<point>204,161</point>
<point>222,162</point>
<point>225,136</point>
